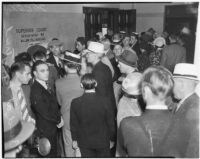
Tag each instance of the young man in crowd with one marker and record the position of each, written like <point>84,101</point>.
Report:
<point>68,88</point>
<point>53,73</point>
<point>45,106</point>
<point>92,123</point>
<point>172,54</point>
<point>144,135</point>
<point>54,56</point>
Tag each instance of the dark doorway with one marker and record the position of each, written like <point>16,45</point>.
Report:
<point>113,18</point>
<point>179,16</point>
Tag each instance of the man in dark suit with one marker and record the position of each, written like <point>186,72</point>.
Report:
<point>143,136</point>
<point>54,56</point>
<point>102,75</point>
<point>91,122</point>
<point>45,107</point>
<point>184,137</point>
<point>111,56</point>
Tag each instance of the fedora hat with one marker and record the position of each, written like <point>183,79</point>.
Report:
<point>159,42</point>
<point>72,58</point>
<point>55,42</point>
<point>129,58</point>
<point>116,39</point>
<point>186,70</point>
<point>131,84</point>
<point>15,130</point>
<point>95,47</point>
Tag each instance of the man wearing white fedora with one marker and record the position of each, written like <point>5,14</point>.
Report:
<point>184,137</point>
<point>102,74</point>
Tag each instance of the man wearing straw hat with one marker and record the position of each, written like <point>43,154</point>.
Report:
<point>102,74</point>
<point>68,88</point>
<point>184,137</point>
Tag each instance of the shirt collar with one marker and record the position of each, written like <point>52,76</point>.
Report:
<point>57,59</point>
<point>182,100</point>
<point>43,83</point>
<point>160,107</point>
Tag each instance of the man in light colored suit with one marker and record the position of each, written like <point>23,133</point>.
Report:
<point>68,88</point>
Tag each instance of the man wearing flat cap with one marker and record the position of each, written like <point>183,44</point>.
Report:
<point>184,137</point>
<point>54,56</point>
<point>102,74</point>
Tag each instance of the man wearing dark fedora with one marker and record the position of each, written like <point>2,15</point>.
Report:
<point>183,141</point>
<point>102,74</point>
<point>127,63</point>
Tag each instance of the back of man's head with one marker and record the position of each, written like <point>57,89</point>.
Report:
<point>18,67</point>
<point>159,80</point>
<point>88,81</point>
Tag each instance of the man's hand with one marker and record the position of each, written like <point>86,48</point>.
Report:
<point>61,123</point>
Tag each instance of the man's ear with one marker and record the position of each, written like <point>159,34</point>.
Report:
<point>96,84</point>
<point>146,92</point>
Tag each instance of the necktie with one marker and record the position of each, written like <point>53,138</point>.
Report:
<point>48,87</point>
<point>23,106</point>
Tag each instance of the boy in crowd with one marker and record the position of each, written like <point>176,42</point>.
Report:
<point>92,127</point>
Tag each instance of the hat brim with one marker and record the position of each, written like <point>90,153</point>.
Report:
<point>25,133</point>
<point>191,78</point>
<point>90,51</point>
<point>124,61</point>
<point>135,92</point>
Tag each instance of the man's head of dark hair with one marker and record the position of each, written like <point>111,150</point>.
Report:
<point>18,67</point>
<point>88,81</point>
<point>23,57</point>
<point>39,55</point>
<point>37,63</point>
<point>81,40</point>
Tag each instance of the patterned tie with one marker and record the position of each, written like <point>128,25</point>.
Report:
<point>23,106</point>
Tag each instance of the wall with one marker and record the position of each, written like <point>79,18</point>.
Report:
<point>63,21</point>
<point>151,15</point>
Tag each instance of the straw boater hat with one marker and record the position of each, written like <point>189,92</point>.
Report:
<point>159,42</point>
<point>72,58</point>
<point>96,48</point>
<point>15,131</point>
<point>131,84</point>
<point>55,42</point>
<point>186,70</point>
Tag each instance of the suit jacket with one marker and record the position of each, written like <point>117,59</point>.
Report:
<point>92,124</point>
<point>52,60</point>
<point>45,107</point>
<point>183,140</point>
<point>67,89</point>
<point>171,55</point>
<point>104,87</point>
<point>53,76</point>
<point>136,142</point>
<point>117,72</point>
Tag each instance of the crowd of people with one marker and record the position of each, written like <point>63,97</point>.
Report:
<point>115,95</point>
